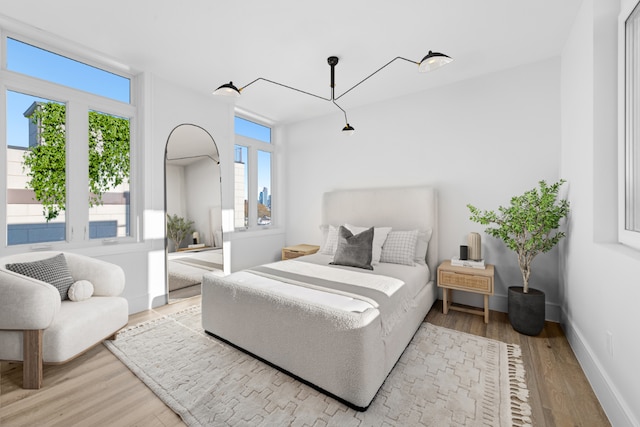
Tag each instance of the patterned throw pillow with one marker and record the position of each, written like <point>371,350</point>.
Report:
<point>51,270</point>
<point>331,241</point>
<point>400,247</point>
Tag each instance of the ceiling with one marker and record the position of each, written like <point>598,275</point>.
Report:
<point>201,44</point>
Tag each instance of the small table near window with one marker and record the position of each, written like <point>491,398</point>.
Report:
<point>296,251</point>
<point>465,279</point>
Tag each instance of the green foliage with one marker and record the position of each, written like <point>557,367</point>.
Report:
<point>47,161</point>
<point>109,164</point>
<point>178,228</point>
<point>529,225</point>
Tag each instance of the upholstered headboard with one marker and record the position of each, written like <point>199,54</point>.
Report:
<point>402,208</point>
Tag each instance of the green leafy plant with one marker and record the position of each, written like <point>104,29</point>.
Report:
<point>529,225</point>
<point>45,163</point>
<point>177,229</point>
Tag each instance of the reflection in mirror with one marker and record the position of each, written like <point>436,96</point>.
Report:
<point>193,208</point>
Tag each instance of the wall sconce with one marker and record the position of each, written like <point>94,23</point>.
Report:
<point>432,61</point>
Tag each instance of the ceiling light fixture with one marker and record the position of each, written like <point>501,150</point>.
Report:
<point>432,61</point>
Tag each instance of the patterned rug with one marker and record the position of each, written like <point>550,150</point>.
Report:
<point>444,377</point>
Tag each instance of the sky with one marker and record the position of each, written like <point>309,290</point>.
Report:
<point>35,62</point>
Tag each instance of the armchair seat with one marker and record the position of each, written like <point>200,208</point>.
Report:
<point>36,327</point>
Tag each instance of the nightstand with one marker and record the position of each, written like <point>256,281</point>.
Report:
<point>296,251</point>
<point>467,279</point>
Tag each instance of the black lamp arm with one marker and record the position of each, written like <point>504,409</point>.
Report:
<point>343,112</point>
<point>375,72</point>
<point>283,85</point>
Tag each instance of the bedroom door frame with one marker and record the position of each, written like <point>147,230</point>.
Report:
<point>176,137</point>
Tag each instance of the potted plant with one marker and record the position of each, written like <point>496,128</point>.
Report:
<point>528,226</point>
<point>177,229</point>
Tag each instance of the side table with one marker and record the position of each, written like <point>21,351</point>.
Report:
<point>296,251</point>
<point>467,279</point>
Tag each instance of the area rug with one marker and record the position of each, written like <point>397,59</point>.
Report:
<point>444,378</point>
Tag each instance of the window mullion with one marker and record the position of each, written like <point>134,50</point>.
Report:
<point>253,187</point>
<point>77,172</point>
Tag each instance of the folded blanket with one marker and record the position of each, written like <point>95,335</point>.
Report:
<point>387,294</point>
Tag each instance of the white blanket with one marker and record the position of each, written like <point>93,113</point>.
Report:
<point>343,289</point>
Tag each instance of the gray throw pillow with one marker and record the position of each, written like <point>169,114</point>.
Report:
<point>354,251</point>
<point>51,270</point>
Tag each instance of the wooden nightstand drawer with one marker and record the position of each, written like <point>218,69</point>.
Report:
<point>296,251</point>
<point>465,281</point>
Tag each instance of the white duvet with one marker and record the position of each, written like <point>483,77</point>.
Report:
<point>399,291</point>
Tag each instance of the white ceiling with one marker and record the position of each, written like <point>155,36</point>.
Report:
<point>202,44</point>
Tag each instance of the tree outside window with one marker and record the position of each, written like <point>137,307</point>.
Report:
<point>44,161</point>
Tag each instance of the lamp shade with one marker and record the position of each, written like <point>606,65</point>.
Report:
<point>433,61</point>
<point>227,89</point>
<point>348,129</point>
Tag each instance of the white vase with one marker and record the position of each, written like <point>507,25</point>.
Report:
<point>475,246</point>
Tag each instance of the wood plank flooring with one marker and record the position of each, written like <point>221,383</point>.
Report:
<point>96,389</point>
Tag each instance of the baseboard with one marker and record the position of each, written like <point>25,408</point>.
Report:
<point>613,404</point>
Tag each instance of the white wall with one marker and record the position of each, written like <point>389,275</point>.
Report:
<point>176,203</point>
<point>600,281</point>
<point>480,141</point>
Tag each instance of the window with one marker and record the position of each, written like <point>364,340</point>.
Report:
<point>35,62</point>
<point>109,165</point>
<point>253,174</point>
<point>264,184</point>
<point>35,213</point>
<point>68,149</point>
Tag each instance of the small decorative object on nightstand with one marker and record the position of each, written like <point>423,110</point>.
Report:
<point>296,251</point>
<point>465,279</point>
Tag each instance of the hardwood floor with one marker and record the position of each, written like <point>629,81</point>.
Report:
<point>96,389</point>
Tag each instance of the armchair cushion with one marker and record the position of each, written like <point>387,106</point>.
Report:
<point>52,270</point>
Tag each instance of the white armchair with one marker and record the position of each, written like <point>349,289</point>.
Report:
<point>36,327</point>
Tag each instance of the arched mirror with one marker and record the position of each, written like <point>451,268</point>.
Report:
<point>193,210</point>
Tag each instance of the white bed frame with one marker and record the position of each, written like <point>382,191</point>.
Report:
<point>348,359</point>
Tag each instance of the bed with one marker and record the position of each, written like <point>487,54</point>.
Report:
<point>303,315</point>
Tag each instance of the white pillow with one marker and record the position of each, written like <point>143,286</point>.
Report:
<point>400,247</point>
<point>422,245</point>
<point>80,290</point>
<point>331,240</point>
<point>379,236</point>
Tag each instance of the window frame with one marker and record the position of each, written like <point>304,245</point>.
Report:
<point>253,146</point>
<point>78,104</point>
<point>626,166</point>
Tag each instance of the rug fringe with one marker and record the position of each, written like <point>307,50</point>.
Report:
<point>163,318</point>
<point>520,408</point>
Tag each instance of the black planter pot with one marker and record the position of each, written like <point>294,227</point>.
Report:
<point>526,311</point>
